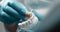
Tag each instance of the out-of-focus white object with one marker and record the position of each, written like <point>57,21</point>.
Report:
<point>2,28</point>
<point>41,6</point>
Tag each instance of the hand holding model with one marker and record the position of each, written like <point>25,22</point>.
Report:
<point>12,12</point>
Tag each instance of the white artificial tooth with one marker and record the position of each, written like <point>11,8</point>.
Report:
<point>20,24</point>
<point>23,24</point>
<point>29,22</point>
<point>26,23</point>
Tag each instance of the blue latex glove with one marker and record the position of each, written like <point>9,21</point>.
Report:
<point>12,12</point>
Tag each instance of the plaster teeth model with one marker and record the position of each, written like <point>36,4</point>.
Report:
<point>31,22</point>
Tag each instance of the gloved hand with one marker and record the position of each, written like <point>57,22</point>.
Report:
<point>12,12</point>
